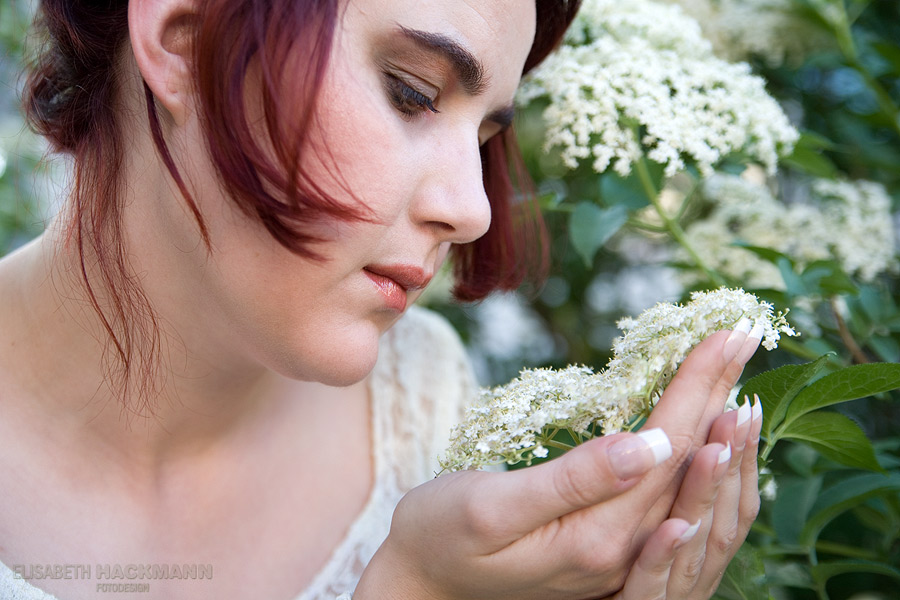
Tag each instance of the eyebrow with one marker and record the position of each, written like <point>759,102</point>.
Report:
<point>469,70</point>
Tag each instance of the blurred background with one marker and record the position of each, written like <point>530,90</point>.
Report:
<point>834,68</point>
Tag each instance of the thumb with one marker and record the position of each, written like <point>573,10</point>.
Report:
<point>593,472</point>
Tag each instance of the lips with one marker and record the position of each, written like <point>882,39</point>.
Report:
<point>394,281</point>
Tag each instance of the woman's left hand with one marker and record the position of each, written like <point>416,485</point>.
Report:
<point>686,556</point>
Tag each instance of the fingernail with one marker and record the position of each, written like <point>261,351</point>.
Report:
<point>725,455</point>
<point>637,454</point>
<point>688,534</point>
<point>751,343</point>
<point>757,407</point>
<point>744,412</point>
<point>736,340</point>
<point>757,419</point>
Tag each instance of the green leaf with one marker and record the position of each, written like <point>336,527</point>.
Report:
<point>849,383</point>
<point>792,281</point>
<point>795,498</point>
<point>811,162</point>
<point>776,389</point>
<point>826,570</point>
<point>835,437</point>
<point>745,577</point>
<point>773,256</point>
<point>591,226</point>
<point>843,496</point>
<point>890,52</point>
<point>623,191</point>
<point>790,574</point>
<point>829,277</point>
<point>885,347</point>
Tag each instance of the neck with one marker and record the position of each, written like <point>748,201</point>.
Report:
<point>206,395</point>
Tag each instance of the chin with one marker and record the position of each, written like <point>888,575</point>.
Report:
<point>337,362</point>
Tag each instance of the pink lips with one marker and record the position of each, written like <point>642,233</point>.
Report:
<point>394,281</point>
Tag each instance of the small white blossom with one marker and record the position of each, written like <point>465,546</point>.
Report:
<point>517,421</point>
<point>637,78</point>
<point>849,222</point>
<point>775,30</point>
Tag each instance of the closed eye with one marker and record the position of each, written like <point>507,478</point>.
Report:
<point>407,99</point>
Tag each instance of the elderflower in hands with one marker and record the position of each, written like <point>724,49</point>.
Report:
<point>637,77</point>
<point>518,421</point>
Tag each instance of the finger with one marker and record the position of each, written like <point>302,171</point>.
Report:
<point>590,474</point>
<point>650,574</point>
<point>695,502</point>
<point>697,394</point>
<point>690,404</point>
<point>738,498</point>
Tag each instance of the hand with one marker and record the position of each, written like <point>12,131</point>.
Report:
<point>569,528</point>
<point>719,500</point>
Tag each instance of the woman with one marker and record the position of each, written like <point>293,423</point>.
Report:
<point>194,361</point>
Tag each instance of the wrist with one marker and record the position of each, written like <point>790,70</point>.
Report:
<point>389,577</point>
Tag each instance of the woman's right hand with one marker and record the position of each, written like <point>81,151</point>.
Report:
<point>575,527</point>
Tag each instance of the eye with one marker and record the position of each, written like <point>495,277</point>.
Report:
<point>407,99</point>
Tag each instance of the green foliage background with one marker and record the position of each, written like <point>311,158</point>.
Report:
<point>833,529</point>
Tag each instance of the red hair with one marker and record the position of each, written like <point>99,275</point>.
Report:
<point>71,97</point>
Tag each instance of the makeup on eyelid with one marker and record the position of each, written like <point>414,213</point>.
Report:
<point>421,67</point>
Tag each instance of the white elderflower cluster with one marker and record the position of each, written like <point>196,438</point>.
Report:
<point>773,30</point>
<point>518,421</point>
<point>637,77</point>
<point>849,222</point>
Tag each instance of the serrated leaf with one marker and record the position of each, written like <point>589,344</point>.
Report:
<point>835,437</point>
<point>826,570</point>
<point>843,496</point>
<point>776,389</point>
<point>745,577</point>
<point>849,383</point>
<point>591,226</point>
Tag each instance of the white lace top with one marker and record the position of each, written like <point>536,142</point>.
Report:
<point>420,383</point>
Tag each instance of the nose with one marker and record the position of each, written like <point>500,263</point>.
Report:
<point>452,200</point>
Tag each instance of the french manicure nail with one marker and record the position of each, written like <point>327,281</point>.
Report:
<point>744,412</point>
<point>689,533</point>
<point>725,455</point>
<point>757,407</point>
<point>751,343</point>
<point>736,340</point>
<point>635,455</point>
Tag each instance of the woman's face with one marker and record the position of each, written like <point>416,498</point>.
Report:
<point>412,90</point>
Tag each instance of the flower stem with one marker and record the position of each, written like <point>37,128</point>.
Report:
<point>670,224</point>
<point>557,445</point>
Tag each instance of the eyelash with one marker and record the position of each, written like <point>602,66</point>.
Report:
<point>408,100</point>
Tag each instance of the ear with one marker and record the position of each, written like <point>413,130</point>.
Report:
<point>162,33</point>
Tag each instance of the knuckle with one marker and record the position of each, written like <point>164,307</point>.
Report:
<point>480,520</point>
<point>573,485</point>
<point>749,511</point>
<point>682,445</point>
<point>590,561</point>
<point>693,568</point>
<point>724,542</point>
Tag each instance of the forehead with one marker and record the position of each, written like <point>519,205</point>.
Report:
<point>498,32</point>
